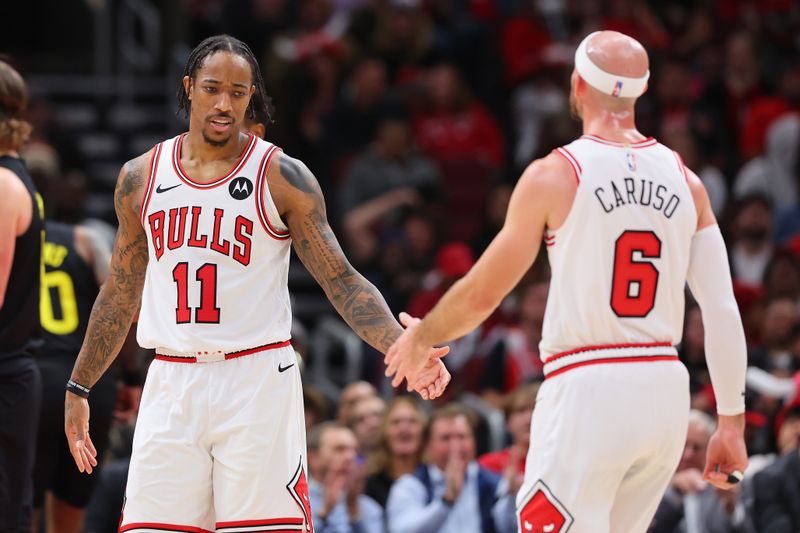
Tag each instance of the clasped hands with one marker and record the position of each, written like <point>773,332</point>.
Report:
<point>421,366</point>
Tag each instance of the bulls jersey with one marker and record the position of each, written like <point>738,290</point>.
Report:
<point>620,259</point>
<point>219,257</point>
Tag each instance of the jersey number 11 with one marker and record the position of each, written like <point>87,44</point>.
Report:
<point>207,312</point>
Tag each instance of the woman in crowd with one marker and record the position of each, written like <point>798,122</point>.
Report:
<point>399,448</point>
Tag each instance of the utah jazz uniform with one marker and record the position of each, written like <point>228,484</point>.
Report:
<point>69,288</point>
<point>20,383</point>
<point>220,439</point>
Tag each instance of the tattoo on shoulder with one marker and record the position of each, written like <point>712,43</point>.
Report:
<point>298,175</point>
<point>133,179</point>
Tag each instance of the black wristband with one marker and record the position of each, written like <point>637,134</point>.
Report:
<point>77,388</point>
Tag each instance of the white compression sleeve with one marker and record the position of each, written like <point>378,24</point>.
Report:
<point>709,279</point>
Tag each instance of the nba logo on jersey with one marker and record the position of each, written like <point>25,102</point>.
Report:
<point>617,89</point>
<point>631,161</point>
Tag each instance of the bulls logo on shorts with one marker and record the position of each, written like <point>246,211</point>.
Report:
<point>298,488</point>
<point>240,188</point>
<point>541,512</point>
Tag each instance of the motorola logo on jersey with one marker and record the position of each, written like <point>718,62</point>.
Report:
<point>240,188</point>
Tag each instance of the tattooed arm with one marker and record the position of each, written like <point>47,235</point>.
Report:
<point>114,309</point>
<point>300,202</point>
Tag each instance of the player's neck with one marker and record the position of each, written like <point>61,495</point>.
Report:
<point>196,148</point>
<point>610,125</point>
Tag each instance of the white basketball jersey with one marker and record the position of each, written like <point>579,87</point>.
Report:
<point>219,257</point>
<point>620,259</point>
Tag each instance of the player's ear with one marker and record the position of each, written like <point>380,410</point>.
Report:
<point>187,86</point>
<point>252,90</point>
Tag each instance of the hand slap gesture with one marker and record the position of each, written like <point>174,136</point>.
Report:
<point>419,365</point>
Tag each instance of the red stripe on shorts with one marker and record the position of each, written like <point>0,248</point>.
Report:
<point>634,359</point>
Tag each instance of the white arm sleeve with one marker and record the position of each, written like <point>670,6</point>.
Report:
<point>709,279</point>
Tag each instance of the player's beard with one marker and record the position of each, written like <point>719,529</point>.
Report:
<point>214,142</point>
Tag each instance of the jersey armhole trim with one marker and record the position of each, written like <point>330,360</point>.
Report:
<point>151,180</point>
<point>261,206</point>
<point>681,166</point>
<point>576,167</point>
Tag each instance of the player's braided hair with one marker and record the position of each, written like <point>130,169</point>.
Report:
<point>260,106</point>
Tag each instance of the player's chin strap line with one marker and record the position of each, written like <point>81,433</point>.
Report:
<point>77,388</point>
<point>605,82</point>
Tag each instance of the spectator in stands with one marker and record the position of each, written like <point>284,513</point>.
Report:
<point>782,276</point>
<point>771,107</point>
<point>453,125</point>
<point>351,395</point>
<point>510,462</point>
<point>450,493</point>
<point>386,177</point>
<point>352,122</point>
<point>776,489</point>
<point>494,218</point>
<point>773,353</point>
<point>751,248</point>
<point>402,36</point>
<point>336,485</point>
<point>774,174</point>
<point>365,421</point>
<point>315,406</point>
<point>399,449</point>
<point>690,503</point>
<point>725,101</point>
<point>513,350</point>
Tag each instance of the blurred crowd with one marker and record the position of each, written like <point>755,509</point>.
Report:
<point>417,117</point>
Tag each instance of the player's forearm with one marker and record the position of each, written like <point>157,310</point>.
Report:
<point>726,353</point>
<point>462,309</point>
<point>360,304</point>
<point>111,317</point>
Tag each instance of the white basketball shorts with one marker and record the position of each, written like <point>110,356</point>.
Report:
<point>605,441</point>
<point>220,447</point>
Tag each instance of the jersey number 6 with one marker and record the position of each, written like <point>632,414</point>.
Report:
<point>633,287</point>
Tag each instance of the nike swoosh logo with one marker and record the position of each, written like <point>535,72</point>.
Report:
<point>282,368</point>
<point>159,190</point>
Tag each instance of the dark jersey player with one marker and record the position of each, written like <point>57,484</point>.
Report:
<point>21,232</point>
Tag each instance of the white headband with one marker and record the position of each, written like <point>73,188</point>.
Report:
<point>606,82</point>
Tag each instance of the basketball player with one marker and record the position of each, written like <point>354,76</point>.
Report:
<point>76,263</point>
<point>206,222</point>
<point>626,225</point>
<point>21,236</point>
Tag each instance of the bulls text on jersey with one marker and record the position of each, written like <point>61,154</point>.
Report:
<point>170,231</point>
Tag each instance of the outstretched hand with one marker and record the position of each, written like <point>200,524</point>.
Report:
<point>419,365</point>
